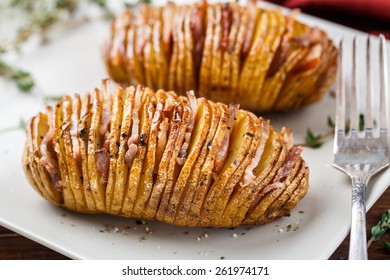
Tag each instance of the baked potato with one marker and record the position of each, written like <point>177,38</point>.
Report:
<point>160,156</point>
<point>260,58</point>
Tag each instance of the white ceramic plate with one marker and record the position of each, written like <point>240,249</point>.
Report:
<point>72,63</point>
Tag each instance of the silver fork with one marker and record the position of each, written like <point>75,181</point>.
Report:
<point>361,154</point>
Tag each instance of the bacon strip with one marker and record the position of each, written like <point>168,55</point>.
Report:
<point>222,153</point>
<point>187,138</point>
<point>248,175</point>
<point>49,158</point>
<point>134,138</point>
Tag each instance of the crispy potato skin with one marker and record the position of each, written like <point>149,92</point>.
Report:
<point>160,156</point>
<point>263,59</point>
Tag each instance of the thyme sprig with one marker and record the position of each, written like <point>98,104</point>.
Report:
<point>22,78</point>
<point>315,141</point>
<point>380,229</point>
<point>40,18</point>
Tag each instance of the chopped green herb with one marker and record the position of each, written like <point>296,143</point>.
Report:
<point>312,140</point>
<point>23,79</point>
<point>331,122</point>
<point>380,228</point>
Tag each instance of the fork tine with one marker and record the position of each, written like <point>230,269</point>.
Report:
<point>383,82</point>
<point>354,99</point>
<point>340,94</point>
<point>369,118</point>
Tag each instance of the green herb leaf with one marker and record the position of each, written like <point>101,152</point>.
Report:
<point>313,141</point>
<point>380,228</point>
<point>331,122</point>
<point>22,78</point>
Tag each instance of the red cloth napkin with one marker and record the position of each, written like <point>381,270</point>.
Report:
<point>372,16</point>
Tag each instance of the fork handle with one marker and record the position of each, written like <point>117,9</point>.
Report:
<point>358,237</point>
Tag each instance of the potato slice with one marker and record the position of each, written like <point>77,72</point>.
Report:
<point>299,192</point>
<point>172,75</point>
<point>83,128</point>
<point>217,151</point>
<point>135,65</point>
<point>179,66</point>
<point>41,127</point>
<point>271,159</point>
<point>324,78</point>
<point>67,193</point>
<point>276,209</point>
<point>260,141</point>
<point>113,145</point>
<point>94,144</point>
<point>27,159</point>
<point>230,26</point>
<point>205,66</point>
<point>151,159</point>
<point>167,161</point>
<point>273,84</point>
<point>236,50</point>
<point>219,192</point>
<point>249,65</point>
<point>197,141</point>
<point>115,51</point>
<point>176,163</point>
<point>129,149</point>
<point>192,187</point>
<point>115,189</point>
<point>141,140</point>
<point>189,74</point>
<point>160,55</point>
<point>216,55</point>
<point>148,56</point>
<point>276,187</point>
<point>71,115</point>
<point>273,40</point>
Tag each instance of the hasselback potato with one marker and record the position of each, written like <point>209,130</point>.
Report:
<point>156,155</point>
<point>262,59</point>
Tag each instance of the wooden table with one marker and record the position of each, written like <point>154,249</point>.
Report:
<point>14,246</point>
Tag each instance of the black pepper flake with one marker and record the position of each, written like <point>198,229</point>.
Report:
<point>222,258</point>
<point>82,133</point>
<point>248,134</point>
<point>186,232</point>
<point>124,135</point>
<point>142,140</point>
<point>209,145</point>
<point>140,222</point>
